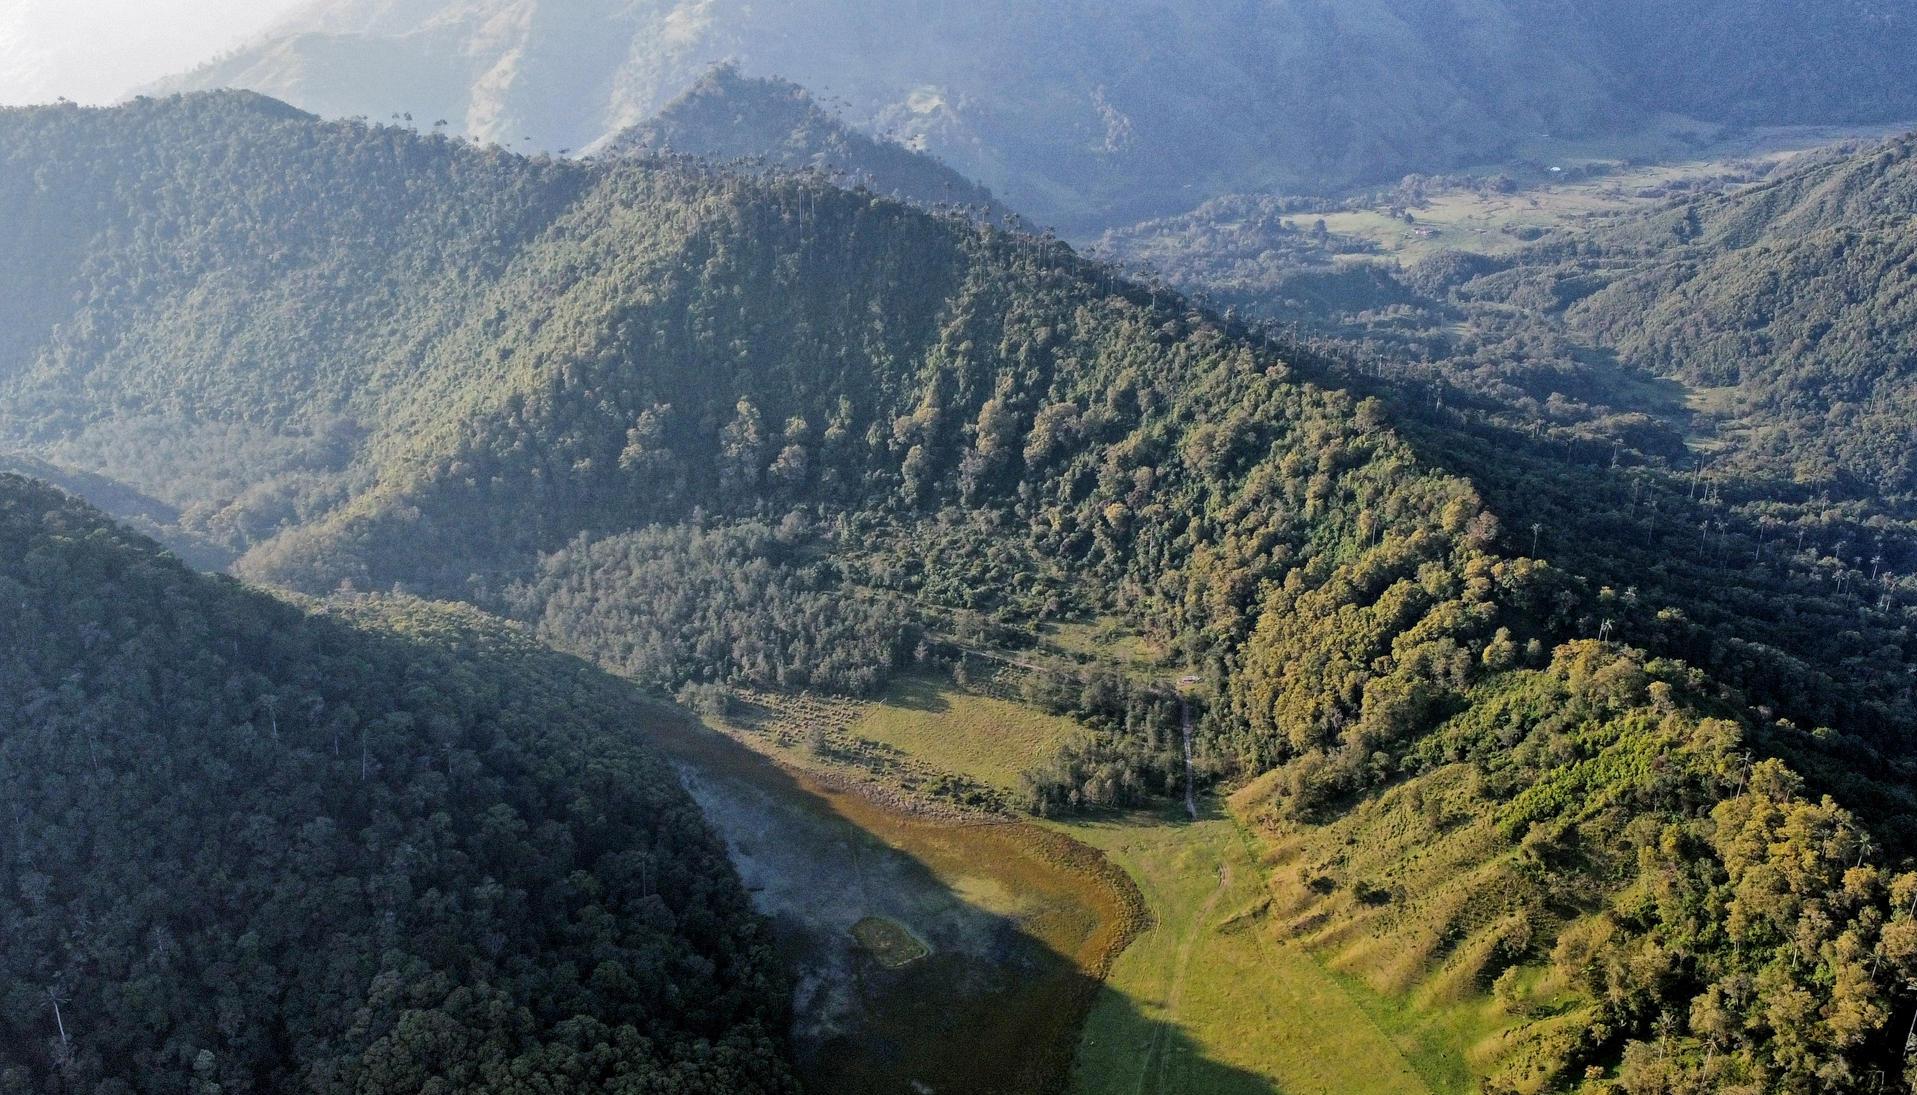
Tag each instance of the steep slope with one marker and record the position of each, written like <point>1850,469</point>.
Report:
<point>359,847</point>
<point>728,116</point>
<point>161,332</point>
<point>872,414</point>
<point>1088,115</point>
<point>1769,62</point>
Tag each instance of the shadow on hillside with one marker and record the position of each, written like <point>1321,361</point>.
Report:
<point>997,1007</point>
<point>1159,1058</point>
<point>1162,812</point>
<point>126,504</point>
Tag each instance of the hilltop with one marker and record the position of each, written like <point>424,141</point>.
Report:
<point>728,117</point>
<point>696,425</point>
<point>1094,115</point>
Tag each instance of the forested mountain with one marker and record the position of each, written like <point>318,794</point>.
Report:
<point>651,408</point>
<point>206,355</point>
<point>1790,302</point>
<point>1780,304</point>
<point>1089,115</point>
<point>379,846</point>
<point>732,118</point>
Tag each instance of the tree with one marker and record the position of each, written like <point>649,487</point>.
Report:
<point>742,448</point>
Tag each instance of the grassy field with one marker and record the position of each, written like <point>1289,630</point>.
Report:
<point>1412,901</point>
<point>1634,171</point>
<point>1233,990</point>
<point>1213,998</point>
<point>1247,978</point>
<point>989,739</point>
<point>1212,1001</point>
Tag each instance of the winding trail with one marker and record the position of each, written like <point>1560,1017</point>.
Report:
<point>1156,1061</point>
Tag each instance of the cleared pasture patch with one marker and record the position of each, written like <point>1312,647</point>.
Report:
<point>1632,172</point>
<point>1105,640</point>
<point>982,737</point>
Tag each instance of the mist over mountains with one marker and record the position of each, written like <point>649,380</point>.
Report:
<point>99,51</point>
<point>1087,114</point>
<point>717,601</point>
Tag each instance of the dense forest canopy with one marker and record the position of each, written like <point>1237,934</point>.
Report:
<point>362,846</point>
<point>1093,114</point>
<point>710,428</point>
<point>1745,347</point>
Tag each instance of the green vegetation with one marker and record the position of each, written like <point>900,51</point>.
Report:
<point>1443,887</point>
<point>1787,298</point>
<point>746,603</point>
<point>728,431</point>
<point>990,739</point>
<point>889,941</point>
<point>1755,528</point>
<point>1210,997</point>
<point>1261,251</point>
<point>1105,640</point>
<point>1777,286</point>
<point>1209,1000</point>
<point>364,846</point>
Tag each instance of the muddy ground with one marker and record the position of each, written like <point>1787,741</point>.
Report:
<point>1021,925</point>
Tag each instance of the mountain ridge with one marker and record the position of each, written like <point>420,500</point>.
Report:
<point>1064,110</point>
<point>855,397</point>
<point>730,117</point>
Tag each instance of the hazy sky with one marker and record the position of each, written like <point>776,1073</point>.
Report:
<point>96,51</point>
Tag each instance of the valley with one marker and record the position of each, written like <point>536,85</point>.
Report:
<point>1188,983</point>
<point>1560,185</point>
<point>933,659</point>
<point>1020,925</point>
<point>1545,189</point>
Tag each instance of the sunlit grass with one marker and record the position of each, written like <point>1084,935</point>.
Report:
<point>989,739</point>
<point>1240,1011</point>
<point>1105,639</point>
<point>1225,993</point>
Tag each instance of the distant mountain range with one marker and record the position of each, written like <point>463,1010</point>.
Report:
<point>1087,115</point>
<point>1791,304</point>
<point>723,429</point>
<point>731,117</point>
